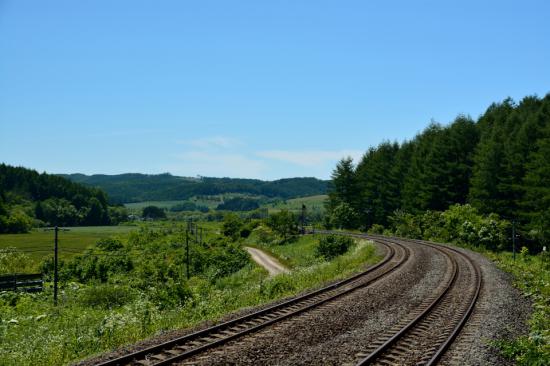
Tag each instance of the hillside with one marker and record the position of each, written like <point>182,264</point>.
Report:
<point>28,198</point>
<point>126,188</point>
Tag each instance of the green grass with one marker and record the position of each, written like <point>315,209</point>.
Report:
<point>295,204</point>
<point>39,243</point>
<point>532,277</point>
<point>300,253</point>
<point>33,332</point>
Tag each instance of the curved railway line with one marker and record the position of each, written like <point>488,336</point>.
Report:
<point>421,338</point>
<point>428,332</point>
<point>187,346</point>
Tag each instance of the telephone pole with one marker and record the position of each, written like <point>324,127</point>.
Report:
<point>56,230</point>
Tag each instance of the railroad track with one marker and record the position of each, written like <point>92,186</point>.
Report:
<point>424,336</point>
<point>181,348</point>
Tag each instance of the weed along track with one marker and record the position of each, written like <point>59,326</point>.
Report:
<point>405,310</point>
<point>184,347</point>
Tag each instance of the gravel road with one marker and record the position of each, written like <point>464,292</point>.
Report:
<point>272,265</point>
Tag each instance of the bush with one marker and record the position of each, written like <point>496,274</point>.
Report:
<point>344,216</point>
<point>105,296</point>
<point>283,223</point>
<point>90,266</point>
<point>333,245</point>
<point>153,212</point>
<point>170,294</point>
<point>232,225</point>
<point>376,229</point>
<point>12,261</point>
<point>109,244</point>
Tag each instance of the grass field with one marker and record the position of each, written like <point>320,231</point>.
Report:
<point>295,204</point>
<point>39,243</point>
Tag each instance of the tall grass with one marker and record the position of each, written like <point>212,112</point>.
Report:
<point>33,332</point>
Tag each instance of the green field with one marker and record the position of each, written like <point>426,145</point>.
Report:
<point>312,203</point>
<point>39,243</point>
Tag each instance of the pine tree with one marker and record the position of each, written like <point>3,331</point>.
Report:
<point>379,192</point>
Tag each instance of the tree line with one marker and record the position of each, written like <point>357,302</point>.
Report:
<point>126,188</point>
<point>28,198</point>
<point>499,164</point>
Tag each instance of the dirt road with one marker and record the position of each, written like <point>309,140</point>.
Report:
<point>268,262</point>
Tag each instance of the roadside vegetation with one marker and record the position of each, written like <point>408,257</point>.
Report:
<point>133,284</point>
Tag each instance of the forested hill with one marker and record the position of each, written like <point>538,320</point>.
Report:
<point>498,164</point>
<point>125,188</point>
<point>28,198</point>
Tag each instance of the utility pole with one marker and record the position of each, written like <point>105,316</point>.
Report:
<point>303,219</point>
<point>187,252</point>
<point>514,238</point>
<point>196,234</point>
<point>55,272</point>
<point>56,262</point>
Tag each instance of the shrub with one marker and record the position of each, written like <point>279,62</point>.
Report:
<point>332,246</point>
<point>344,216</point>
<point>170,294</point>
<point>109,244</point>
<point>105,296</point>
<point>376,229</point>
<point>232,225</point>
<point>284,223</point>
<point>12,261</point>
<point>91,266</point>
<point>153,212</point>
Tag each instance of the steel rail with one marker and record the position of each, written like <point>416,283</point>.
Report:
<point>390,342</point>
<point>147,353</point>
<point>456,329</point>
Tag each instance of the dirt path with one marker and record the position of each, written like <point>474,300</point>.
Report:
<point>271,264</point>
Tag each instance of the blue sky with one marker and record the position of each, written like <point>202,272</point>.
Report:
<point>260,89</point>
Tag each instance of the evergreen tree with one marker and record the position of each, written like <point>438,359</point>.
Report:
<point>344,185</point>
<point>379,192</point>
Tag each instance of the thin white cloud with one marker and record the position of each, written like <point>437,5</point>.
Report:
<point>310,158</point>
<point>214,142</point>
<point>212,164</point>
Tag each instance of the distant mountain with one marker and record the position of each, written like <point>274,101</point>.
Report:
<point>133,187</point>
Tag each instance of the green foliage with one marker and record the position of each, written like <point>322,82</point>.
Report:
<point>239,204</point>
<point>405,224</point>
<point>377,183</point>
<point>376,229</point>
<point>232,225</point>
<point>284,223</point>
<point>18,222</point>
<point>332,246</point>
<point>29,198</point>
<point>344,216</point>
<point>154,296</point>
<point>13,261</point>
<point>125,188</point>
<point>498,164</point>
<point>532,277</point>
<point>344,187</point>
<point>93,266</point>
<point>153,212</point>
<point>188,206</point>
<point>460,224</point>
<point>105,296</point>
